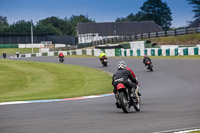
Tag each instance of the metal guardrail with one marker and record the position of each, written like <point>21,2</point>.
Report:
<point>119,39</point>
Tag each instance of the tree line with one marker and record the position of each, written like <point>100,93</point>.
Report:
<point>53,25</point>
<point>152,10</point>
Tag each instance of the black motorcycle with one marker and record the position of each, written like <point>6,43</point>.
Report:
<point>149,66</point>
<point>104,61</point>
<point>61,59</point>
<point>125,100</point>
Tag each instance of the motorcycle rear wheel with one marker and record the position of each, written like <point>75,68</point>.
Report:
<point>150,67</point>
<point>125,104</point>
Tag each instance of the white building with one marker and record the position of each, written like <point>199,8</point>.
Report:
<point>88,32</point>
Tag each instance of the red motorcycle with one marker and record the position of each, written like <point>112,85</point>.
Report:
<point>125,100</point>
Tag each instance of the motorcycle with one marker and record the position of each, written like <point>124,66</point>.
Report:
<point>149,66</point>
<point>61,59</point>
<point>104,61</point>
<point>126,100</point>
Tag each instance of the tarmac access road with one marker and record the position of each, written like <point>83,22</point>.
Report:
<point>170,101</point>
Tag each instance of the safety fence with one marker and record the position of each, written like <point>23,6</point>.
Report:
<point>119,39</point>
<point>124,52</point>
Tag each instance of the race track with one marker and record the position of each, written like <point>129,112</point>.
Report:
<point>170,101</point>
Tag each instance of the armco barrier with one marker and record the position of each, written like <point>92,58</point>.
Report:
<point>125,52</point>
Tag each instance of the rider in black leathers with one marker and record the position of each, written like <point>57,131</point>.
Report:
<point>146,59</point>
<point>123,76</point>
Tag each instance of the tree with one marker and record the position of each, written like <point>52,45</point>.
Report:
<point>152,10</point>
<point>130,17</point>
<point>3,21</point>
<point>3,24</point>
<point>20,27</point>
<point>196,6</point>
<point>50,22</point>
<point>46,30</point>
<point>157,11</point>
<point>74,20</point>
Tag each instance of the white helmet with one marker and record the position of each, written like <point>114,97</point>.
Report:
<point>121,65</point>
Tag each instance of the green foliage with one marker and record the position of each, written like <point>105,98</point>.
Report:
<point>3,23</point>
<point>139,16</point>
<point>196,6</point>
<point>157,11</point>
<point>152,10</point>
<point>52,25</point>
<point>45,29</point>
<point>74,20</point>
<point>20,27</point>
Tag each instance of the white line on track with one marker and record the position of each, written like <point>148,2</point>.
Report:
<point>53,100</point>
<point>175,130</point>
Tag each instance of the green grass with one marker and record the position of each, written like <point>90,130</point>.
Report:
<point>23,80</point>
<point>21,50</point>
<point>194,132</point>
<point>190,39</point>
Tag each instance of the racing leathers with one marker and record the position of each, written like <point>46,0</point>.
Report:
<point>61,55</point>
<point>146,59</point>
<point>133,74</point>
<point>125,77</point>
<point>102,56</point>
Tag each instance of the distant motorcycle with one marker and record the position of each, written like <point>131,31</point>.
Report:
<point>149,66</point>
<point>61,59</point>
<point>104,61</point>
<point>125,100</point>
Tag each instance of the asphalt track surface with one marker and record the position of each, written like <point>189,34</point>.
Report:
<point>170,100</point>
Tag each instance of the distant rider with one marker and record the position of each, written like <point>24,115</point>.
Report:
<point>4,54</point>
<point>102,56</point>
<point>125,77</point>
<point>61,55</point>
<point>146,59</point>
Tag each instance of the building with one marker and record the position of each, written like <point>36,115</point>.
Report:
<point>88,32</point>
<point>195,23</point>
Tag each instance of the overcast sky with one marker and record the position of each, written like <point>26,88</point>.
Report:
<point>99,10</point>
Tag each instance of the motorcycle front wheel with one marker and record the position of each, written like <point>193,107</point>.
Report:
<point>136,105</point>
<point>125,104</point>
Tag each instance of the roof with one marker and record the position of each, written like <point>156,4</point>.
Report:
<point>118,28</point>
<point>195,23</point>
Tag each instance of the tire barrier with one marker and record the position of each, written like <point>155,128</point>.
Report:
<point>124,52</point>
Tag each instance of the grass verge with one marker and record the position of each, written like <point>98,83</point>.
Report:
<point>23,80</point>
<point>194,132</point>
<point>21,50</point>
<point>190,39</point>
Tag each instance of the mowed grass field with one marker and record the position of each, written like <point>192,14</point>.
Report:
<point>25,80</point>
<point>21,50</point>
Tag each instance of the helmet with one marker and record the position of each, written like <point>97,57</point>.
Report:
<point>102,52</point>
<point>145,55</point>
<point>121,65</point>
